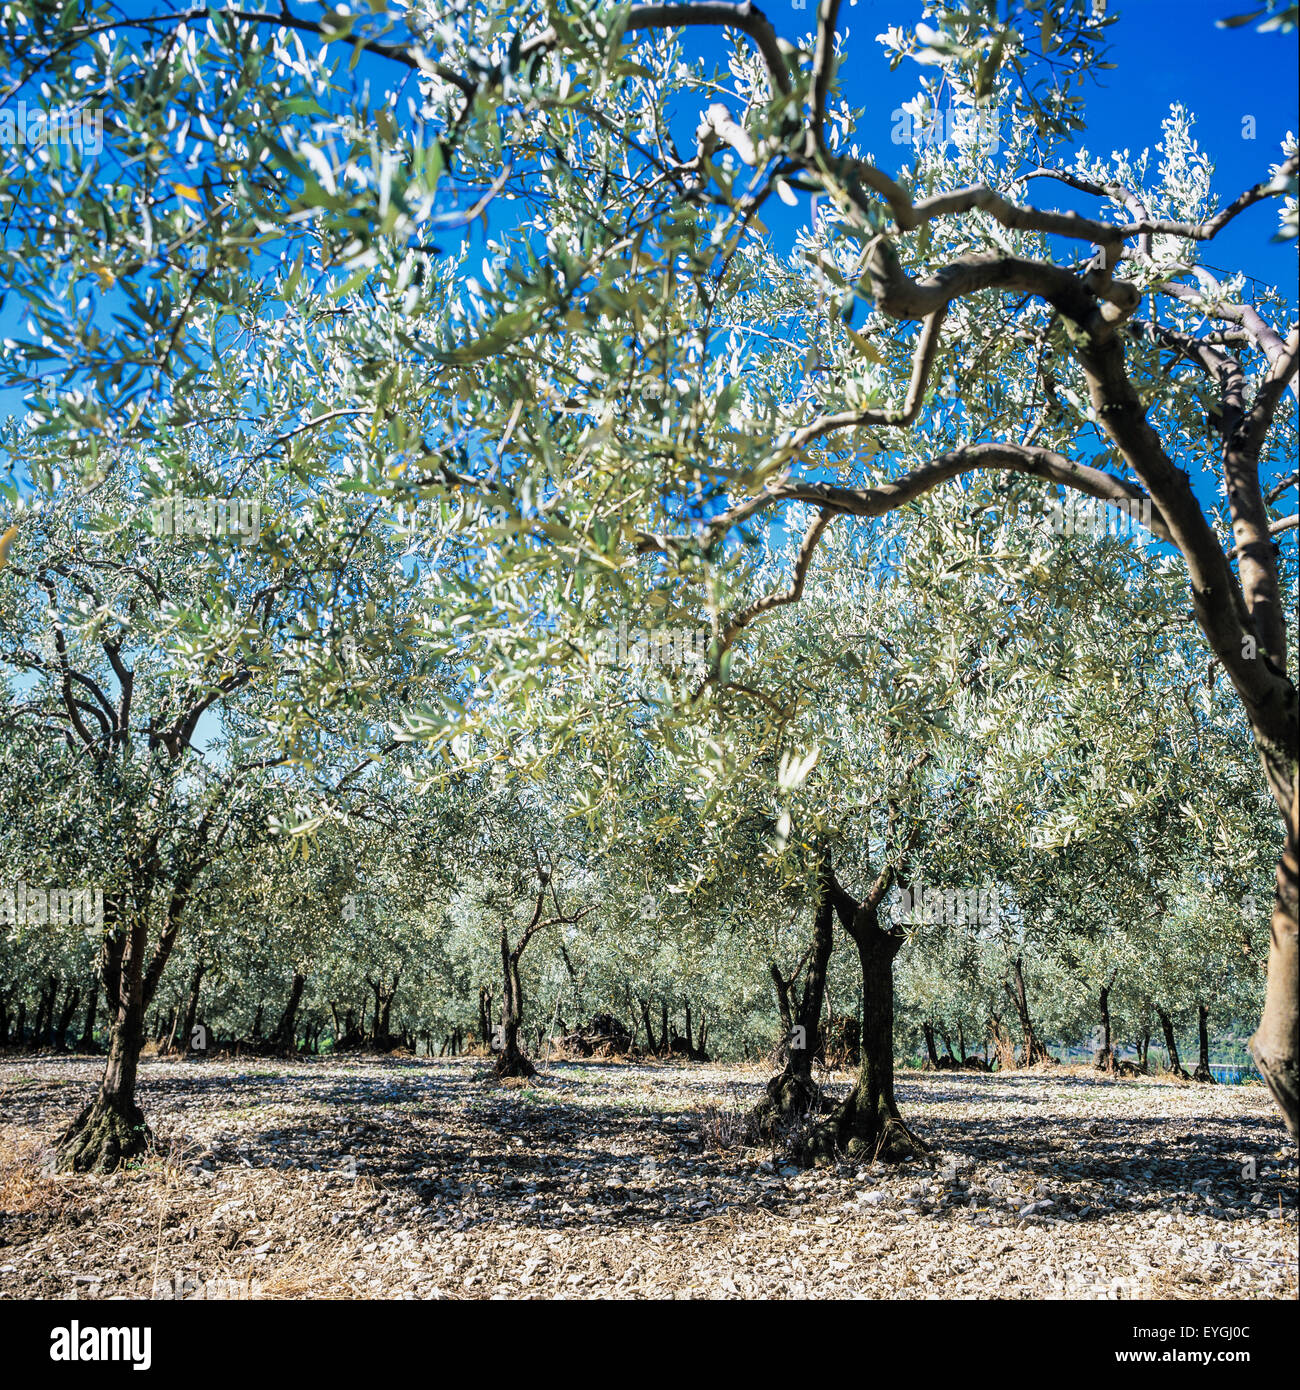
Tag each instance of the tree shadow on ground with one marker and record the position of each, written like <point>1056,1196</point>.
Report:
<point>557,1152</point>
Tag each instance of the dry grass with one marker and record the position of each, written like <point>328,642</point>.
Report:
<point>725,1126</point>
<point>513,1083</point>
<point>319,1272</point>
<point>370,1178</point>
<point>26,1184</point>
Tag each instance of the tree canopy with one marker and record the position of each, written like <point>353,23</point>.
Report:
<point>455,553</point>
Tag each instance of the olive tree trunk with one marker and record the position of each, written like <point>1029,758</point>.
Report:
<point>1167,1027</point>
<point>1105,1058</point>
<point>112,1129</point>
<point>1203,1072</point>
<point>511,1059</point>
<point>1035,1052</point>
<point>867,1124</point>
<point>1275,1045</point>
<point>286,1028</point>
<point>86,1043</point>
<point>792,1094</point>
<point>71,998</point>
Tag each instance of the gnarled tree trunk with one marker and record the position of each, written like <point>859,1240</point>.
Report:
<point>1275,1045</point>
<point>867,1125</point>
<point>1203,1072</point>
<point>1035,1052</point>
<point>1004,1050</point>
<point>286,1028</point>
<point>71,998</point>
<point>651,1046</point>
<point>111,1129</point>
<point>793,1094</point>
<point>1105,1058</point>
<point>384,997</point>
<point>511,1060</point>
<point>931,1052</point>
<point>1167,1027</point>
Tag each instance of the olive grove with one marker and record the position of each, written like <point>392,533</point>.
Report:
<point>462,577</point>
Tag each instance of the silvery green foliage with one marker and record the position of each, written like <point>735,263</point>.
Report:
<point>476,457</point>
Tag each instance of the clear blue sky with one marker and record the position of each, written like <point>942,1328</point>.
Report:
<point>1165,51</point>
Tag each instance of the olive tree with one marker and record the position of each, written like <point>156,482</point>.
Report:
<point>634,374</point>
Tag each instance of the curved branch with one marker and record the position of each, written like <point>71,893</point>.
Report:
<point>783,596</point>
<point>823,64</point>
<point>747,17</point>
<point>1146,226</point>
<point>1017,458</point>
<point>1210,297</point>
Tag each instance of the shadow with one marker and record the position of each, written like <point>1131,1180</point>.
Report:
<point>623,1143</point>
<point>1160,1162</point>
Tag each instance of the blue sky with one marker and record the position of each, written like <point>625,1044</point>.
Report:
<point>1164,50</point>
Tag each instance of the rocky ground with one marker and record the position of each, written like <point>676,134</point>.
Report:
<point>397,1178</point>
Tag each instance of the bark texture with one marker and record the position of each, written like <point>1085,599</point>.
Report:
<point>867,1125</point>
<point>792,1096</point>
